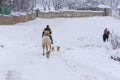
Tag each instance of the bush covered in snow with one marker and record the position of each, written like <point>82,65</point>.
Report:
<point>115,45</point>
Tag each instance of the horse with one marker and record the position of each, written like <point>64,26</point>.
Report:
<point>46,45</point>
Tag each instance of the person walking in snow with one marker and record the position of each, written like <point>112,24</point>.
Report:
<point>47,32</point>
<point>106,35</point>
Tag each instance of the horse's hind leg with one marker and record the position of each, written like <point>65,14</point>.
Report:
<point>50,48</point>
<point>47,55</point>
<point>47,52</point>
<point>43,51</point>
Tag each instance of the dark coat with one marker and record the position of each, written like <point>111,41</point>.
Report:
<point>106,35</point>
<point>47,29</point>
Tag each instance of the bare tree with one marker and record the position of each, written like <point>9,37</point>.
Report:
<point>20,5</point>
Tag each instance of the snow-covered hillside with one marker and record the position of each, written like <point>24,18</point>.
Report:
<point>82,56</point>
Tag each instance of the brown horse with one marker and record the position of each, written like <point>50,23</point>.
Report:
<point>46,45</point>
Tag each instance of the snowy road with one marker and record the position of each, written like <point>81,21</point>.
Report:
<point>82,56</point>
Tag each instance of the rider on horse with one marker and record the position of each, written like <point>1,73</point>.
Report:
<point>47,32</point>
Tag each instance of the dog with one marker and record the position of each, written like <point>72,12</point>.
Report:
<point>58,48</point>
<point>55,48</point>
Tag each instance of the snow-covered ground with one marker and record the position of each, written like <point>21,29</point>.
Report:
<point>82,56</point>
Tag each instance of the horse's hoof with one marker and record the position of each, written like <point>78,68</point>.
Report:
<point>47,55</point>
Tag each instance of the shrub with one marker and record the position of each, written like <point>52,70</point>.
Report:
<point>115,41</point>
<point>115,45</point>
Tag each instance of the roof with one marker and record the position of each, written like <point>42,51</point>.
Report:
<point>103,6</point>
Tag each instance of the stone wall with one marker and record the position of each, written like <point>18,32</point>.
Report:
<point>16,19</point>
<point>64,14</point>
<point>70,14</point>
